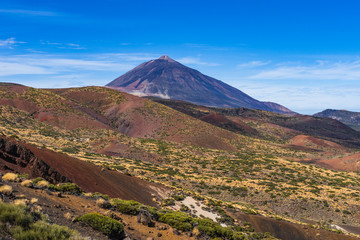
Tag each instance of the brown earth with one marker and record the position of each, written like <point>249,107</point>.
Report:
<point>287,230</point>
<point>49,108</point>
<point>347,163</point>
<point>316,143</point>
<point>222,121</point>
<point>57,167</point>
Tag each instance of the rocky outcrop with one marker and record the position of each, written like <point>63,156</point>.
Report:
<point>16,157</point>
<point>57,167</point>
<point>144,217</point>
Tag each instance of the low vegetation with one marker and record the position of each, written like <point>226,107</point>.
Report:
<point>10,177</point>
<point>18,222</point>
<point>71,188</point>
<point>104,224</point>
<point>6,189</point>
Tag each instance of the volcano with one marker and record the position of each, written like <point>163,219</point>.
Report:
<point>168,79</point>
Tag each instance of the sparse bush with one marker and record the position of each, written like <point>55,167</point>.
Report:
<point>24,202</point>
<point>96,195</point>
<point>24,176</point>
<point>19,223</point>
<point>66,187</point>
<point>346,212</point>
<point>36,180</point>
<point>27,183</point>
<point>10,177</point>
<point>70,150</point>
<point>6,189</point>
<point>106,225</point>
<point>249,211</point>
<point>168,202</point>
<point>178,197</point>
<point>43,184</point>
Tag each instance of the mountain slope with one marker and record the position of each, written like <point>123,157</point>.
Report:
<point>166,78</point>
<point>269,125</point>
<point>139,117</point>
<point>56,167</point>
<point>349,118</point>
<point>104,108</point>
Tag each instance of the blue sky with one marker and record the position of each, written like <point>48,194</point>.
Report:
<point>302,54</point>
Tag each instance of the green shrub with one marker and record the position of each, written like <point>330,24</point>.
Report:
<point>346,212</point>
<point>178,220</point>
<point>178,197</point>
<point>168,202</point>
<point>36,180</point>
<point>130,207</point>
<point>17,221</point>
<point>212,229</point>
<point>97,195</point>
<point>70,150</point>
<point>42,231</point>
<point>66,187</point>
<point>106,225</point>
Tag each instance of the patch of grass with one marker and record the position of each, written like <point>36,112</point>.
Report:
<point>108,226</point>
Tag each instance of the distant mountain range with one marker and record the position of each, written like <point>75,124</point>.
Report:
<point>349,118</point>
<point>168,79</point>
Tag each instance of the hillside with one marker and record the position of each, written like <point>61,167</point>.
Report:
<point>349,118</point>
<point>268,125</point>
<point>242,164</point>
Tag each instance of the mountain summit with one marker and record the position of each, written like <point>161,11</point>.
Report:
<point>169,79</point>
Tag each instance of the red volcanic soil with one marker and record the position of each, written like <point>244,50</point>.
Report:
<point>58,167</point>
<point>316,143</point>
<point>125,151</point>
<point>138,117</point>
<point>334,156</point>
<point>54,110</point>
<point>220,120</point>
<point>287,230</point>
<point>347,163</point>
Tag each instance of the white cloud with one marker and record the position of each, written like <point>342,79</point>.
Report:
<point>28,12</point>
<point>52,64</point>
<point>195,61</point>
<point>63,45</point>
<point>9,43</point>
<point>13,68</point>
<point>305,99</point>
<point>129,56</point>
<point>71,46</point>
<point>322,70</point>
<point>253,64</point>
